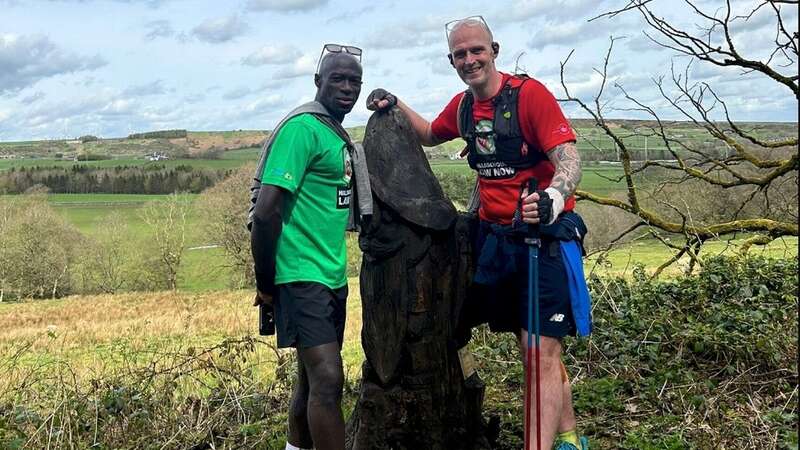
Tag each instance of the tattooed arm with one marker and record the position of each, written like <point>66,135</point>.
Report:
<point>567,162</point>
<point>550,203</point>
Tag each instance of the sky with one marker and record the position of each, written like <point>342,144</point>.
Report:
<point>114,67</point>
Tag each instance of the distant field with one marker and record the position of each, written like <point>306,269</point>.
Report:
<point>651,254</point>
<point>195,143</point>
<point>201,267</point>
<point>246,154</point>
<point>600,179</point>
<point>71,199</point>
<point>592,141</point>
<point>229,160</point>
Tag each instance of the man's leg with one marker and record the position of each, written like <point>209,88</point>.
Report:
<point>568,422</point>
<point>323,367</point>
<point>551,388</point>
<point>299,434</point>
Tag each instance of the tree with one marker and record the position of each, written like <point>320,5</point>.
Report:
<point>38,248</point>
<point>167,222</point>
<point>224,208</point>
<point>753,171</point>
<point>110,260</point>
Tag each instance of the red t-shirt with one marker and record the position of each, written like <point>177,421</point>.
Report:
<point>543,128</point>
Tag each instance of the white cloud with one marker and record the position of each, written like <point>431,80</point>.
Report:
<point>349,16</point>
<point>569,34</point>
<point>220,30</point>
<point>237,93</point>
<point>26,59</point>
<point>158,29</point>
<point>264,105</point>
<point>35,97</point>
<point>149,3</point>
<point>274,54</point>
<point>194,98</point>
<point>417,32</point>
<point>437,61</point>
<point>301,67</point>
<point>285,5</point>
<point>523,10</point>
<point>587,88</point>
<point>153,88</point>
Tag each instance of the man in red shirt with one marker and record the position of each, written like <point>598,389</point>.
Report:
<point>514,130</point>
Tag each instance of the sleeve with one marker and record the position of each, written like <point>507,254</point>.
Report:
<point>543,121</point>
<point>445,125</point>
<point>290,155</point>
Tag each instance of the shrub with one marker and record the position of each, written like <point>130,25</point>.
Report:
<point>224,211</point>
<point>88,156</point>
<point>457,185</point>
<point>38,249</point>
<point>110,262</point>
<point>672,362</point>
<point>164,134</point>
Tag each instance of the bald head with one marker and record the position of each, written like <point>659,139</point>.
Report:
<point>331,60</point>
<point>469,25</point>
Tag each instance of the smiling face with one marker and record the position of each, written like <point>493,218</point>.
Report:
<point>472,55</point>
<point>338,83</point>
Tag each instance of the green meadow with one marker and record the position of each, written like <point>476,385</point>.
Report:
<point>201,266</point>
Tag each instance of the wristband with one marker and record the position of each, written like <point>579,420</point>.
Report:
<point>558,203</point>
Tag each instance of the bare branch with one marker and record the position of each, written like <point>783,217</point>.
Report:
<point>701,46</point>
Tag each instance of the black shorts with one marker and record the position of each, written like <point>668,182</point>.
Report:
<point>308,314</point>
<point>504,306</point>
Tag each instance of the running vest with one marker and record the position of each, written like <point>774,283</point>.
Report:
<point>362,206</point>
<point>510,146</point>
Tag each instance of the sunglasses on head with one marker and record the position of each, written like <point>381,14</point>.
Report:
<point>337,48</point>
<point>449,26</point>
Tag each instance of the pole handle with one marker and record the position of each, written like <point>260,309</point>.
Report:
<point>533,229</point>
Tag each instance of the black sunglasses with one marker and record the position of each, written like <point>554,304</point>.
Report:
<point>336,48</point>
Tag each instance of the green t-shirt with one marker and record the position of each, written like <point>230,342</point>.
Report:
<point>311,161</point>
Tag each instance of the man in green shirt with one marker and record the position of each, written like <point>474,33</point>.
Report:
<point>298,244</point>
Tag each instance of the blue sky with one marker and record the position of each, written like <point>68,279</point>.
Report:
<point>114,67</point>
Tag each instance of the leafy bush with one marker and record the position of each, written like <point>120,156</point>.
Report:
<point>89,156</point>
<point>38,249</point>
<point>165,134</point>
<point>457,185</point>
<point>703,361</point>
<point>157,398</point>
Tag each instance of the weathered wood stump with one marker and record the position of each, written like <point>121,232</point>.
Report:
<point>414,278</point>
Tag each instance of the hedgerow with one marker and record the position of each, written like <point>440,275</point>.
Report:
<point>700,361</point>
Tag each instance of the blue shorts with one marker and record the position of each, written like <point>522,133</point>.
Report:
<point>504,303</point>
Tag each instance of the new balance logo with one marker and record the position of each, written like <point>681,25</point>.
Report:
<point>557,318</point>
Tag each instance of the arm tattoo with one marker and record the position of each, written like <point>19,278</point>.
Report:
<point>567,162</point>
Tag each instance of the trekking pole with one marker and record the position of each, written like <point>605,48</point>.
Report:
<point>534,242</point>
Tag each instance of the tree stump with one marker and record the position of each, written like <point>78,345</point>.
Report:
<point>414,278</point>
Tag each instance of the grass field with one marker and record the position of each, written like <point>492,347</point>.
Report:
<point>601,179</point>
<point>200,269</point>
<point>88,331</point>
<point>230,160</point>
